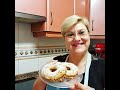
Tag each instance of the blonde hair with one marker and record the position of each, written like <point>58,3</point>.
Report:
<point>72,20</point>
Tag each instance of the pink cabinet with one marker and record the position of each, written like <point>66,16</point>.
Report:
<point>97,17</point>
<point>36,7</point>
<point>57,11</point>
<point>82,8</point>
<point>94,10</point>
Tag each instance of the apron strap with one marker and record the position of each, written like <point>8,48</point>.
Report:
<point>87,69</point>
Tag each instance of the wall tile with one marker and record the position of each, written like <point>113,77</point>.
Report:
<point>16,33</point>
<point>26,36</point>
<point>28,65</point>
<point>16,67</point>
<point>43,61</point>
<point>28,52</point>
<point>51,42</point>
<point>28,46</point>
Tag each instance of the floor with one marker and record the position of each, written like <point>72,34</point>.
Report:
<point>24,85</point>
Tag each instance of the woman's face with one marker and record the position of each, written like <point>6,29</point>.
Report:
<point>77,39</point>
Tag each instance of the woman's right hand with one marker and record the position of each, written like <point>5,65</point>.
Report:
<point>80,86</point>
<point>39,85</point>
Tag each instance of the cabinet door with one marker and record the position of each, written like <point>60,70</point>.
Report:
<point>58,10</point>
<point>36,7</point>
<point>97,17</point>
<point>80,7</point>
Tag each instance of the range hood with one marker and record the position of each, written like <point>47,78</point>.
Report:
<point>38,26</point>
<point>28,18</point>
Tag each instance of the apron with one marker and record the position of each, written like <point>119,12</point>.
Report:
<point>48,87</point>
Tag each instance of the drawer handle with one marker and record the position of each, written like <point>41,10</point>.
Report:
<point>51,18</point>
<point>92,24</point>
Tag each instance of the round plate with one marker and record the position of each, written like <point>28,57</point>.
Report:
<point>65,84</point>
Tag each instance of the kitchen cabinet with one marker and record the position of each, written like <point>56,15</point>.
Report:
<point>35,7</point>
<point>53,11</point>
<point>57,11</point>
<point>97,18</point>
<point>94,10</point>
<point>82,8</point>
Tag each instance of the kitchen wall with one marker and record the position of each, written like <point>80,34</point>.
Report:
<point>32,53</point>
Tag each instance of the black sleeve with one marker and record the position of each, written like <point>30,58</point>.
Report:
<point>61,58</point>
<point>98,71</point>
<point>102,66</point>
<point>103,73</point>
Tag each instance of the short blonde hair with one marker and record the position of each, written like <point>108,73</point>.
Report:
<point>72,20</point>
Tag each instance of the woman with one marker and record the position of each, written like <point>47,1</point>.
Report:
<point>75,30</point>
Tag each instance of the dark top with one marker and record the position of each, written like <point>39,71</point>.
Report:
<point>96,73</point>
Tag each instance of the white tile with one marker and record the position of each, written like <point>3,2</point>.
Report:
<point>28,65</point>
<point>26,36</point>
<point>23,33</point>
<point>16,67</point>
<point>16,33</point>
<point>43,61</point>
<point>51,42</point>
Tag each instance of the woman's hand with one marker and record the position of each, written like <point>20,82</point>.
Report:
<point>79,86</point>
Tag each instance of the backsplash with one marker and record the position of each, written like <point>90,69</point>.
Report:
<point>32,53</point>
<point>28,52</point>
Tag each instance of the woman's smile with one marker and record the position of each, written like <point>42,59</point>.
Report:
<point>77,44</point>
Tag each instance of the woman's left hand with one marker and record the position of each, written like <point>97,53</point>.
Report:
<point>80,86</point>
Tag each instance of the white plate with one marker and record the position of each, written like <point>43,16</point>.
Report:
<point>65,84</point>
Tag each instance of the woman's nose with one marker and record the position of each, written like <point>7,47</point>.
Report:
<point>77,37</point>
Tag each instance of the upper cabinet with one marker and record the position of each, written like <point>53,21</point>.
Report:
<point>82,8</point>
<point>57,11</point>
<point>97,18</point>
<point>36,7</point>
<point>30,11</point>
<point>94,10</point>
<point>52,13</point>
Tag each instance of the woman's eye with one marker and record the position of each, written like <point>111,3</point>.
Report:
<point>81,32</point>
<point>69,34</point>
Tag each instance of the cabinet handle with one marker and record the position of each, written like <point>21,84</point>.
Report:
<point>92,24</point>
<point>51,18</point>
